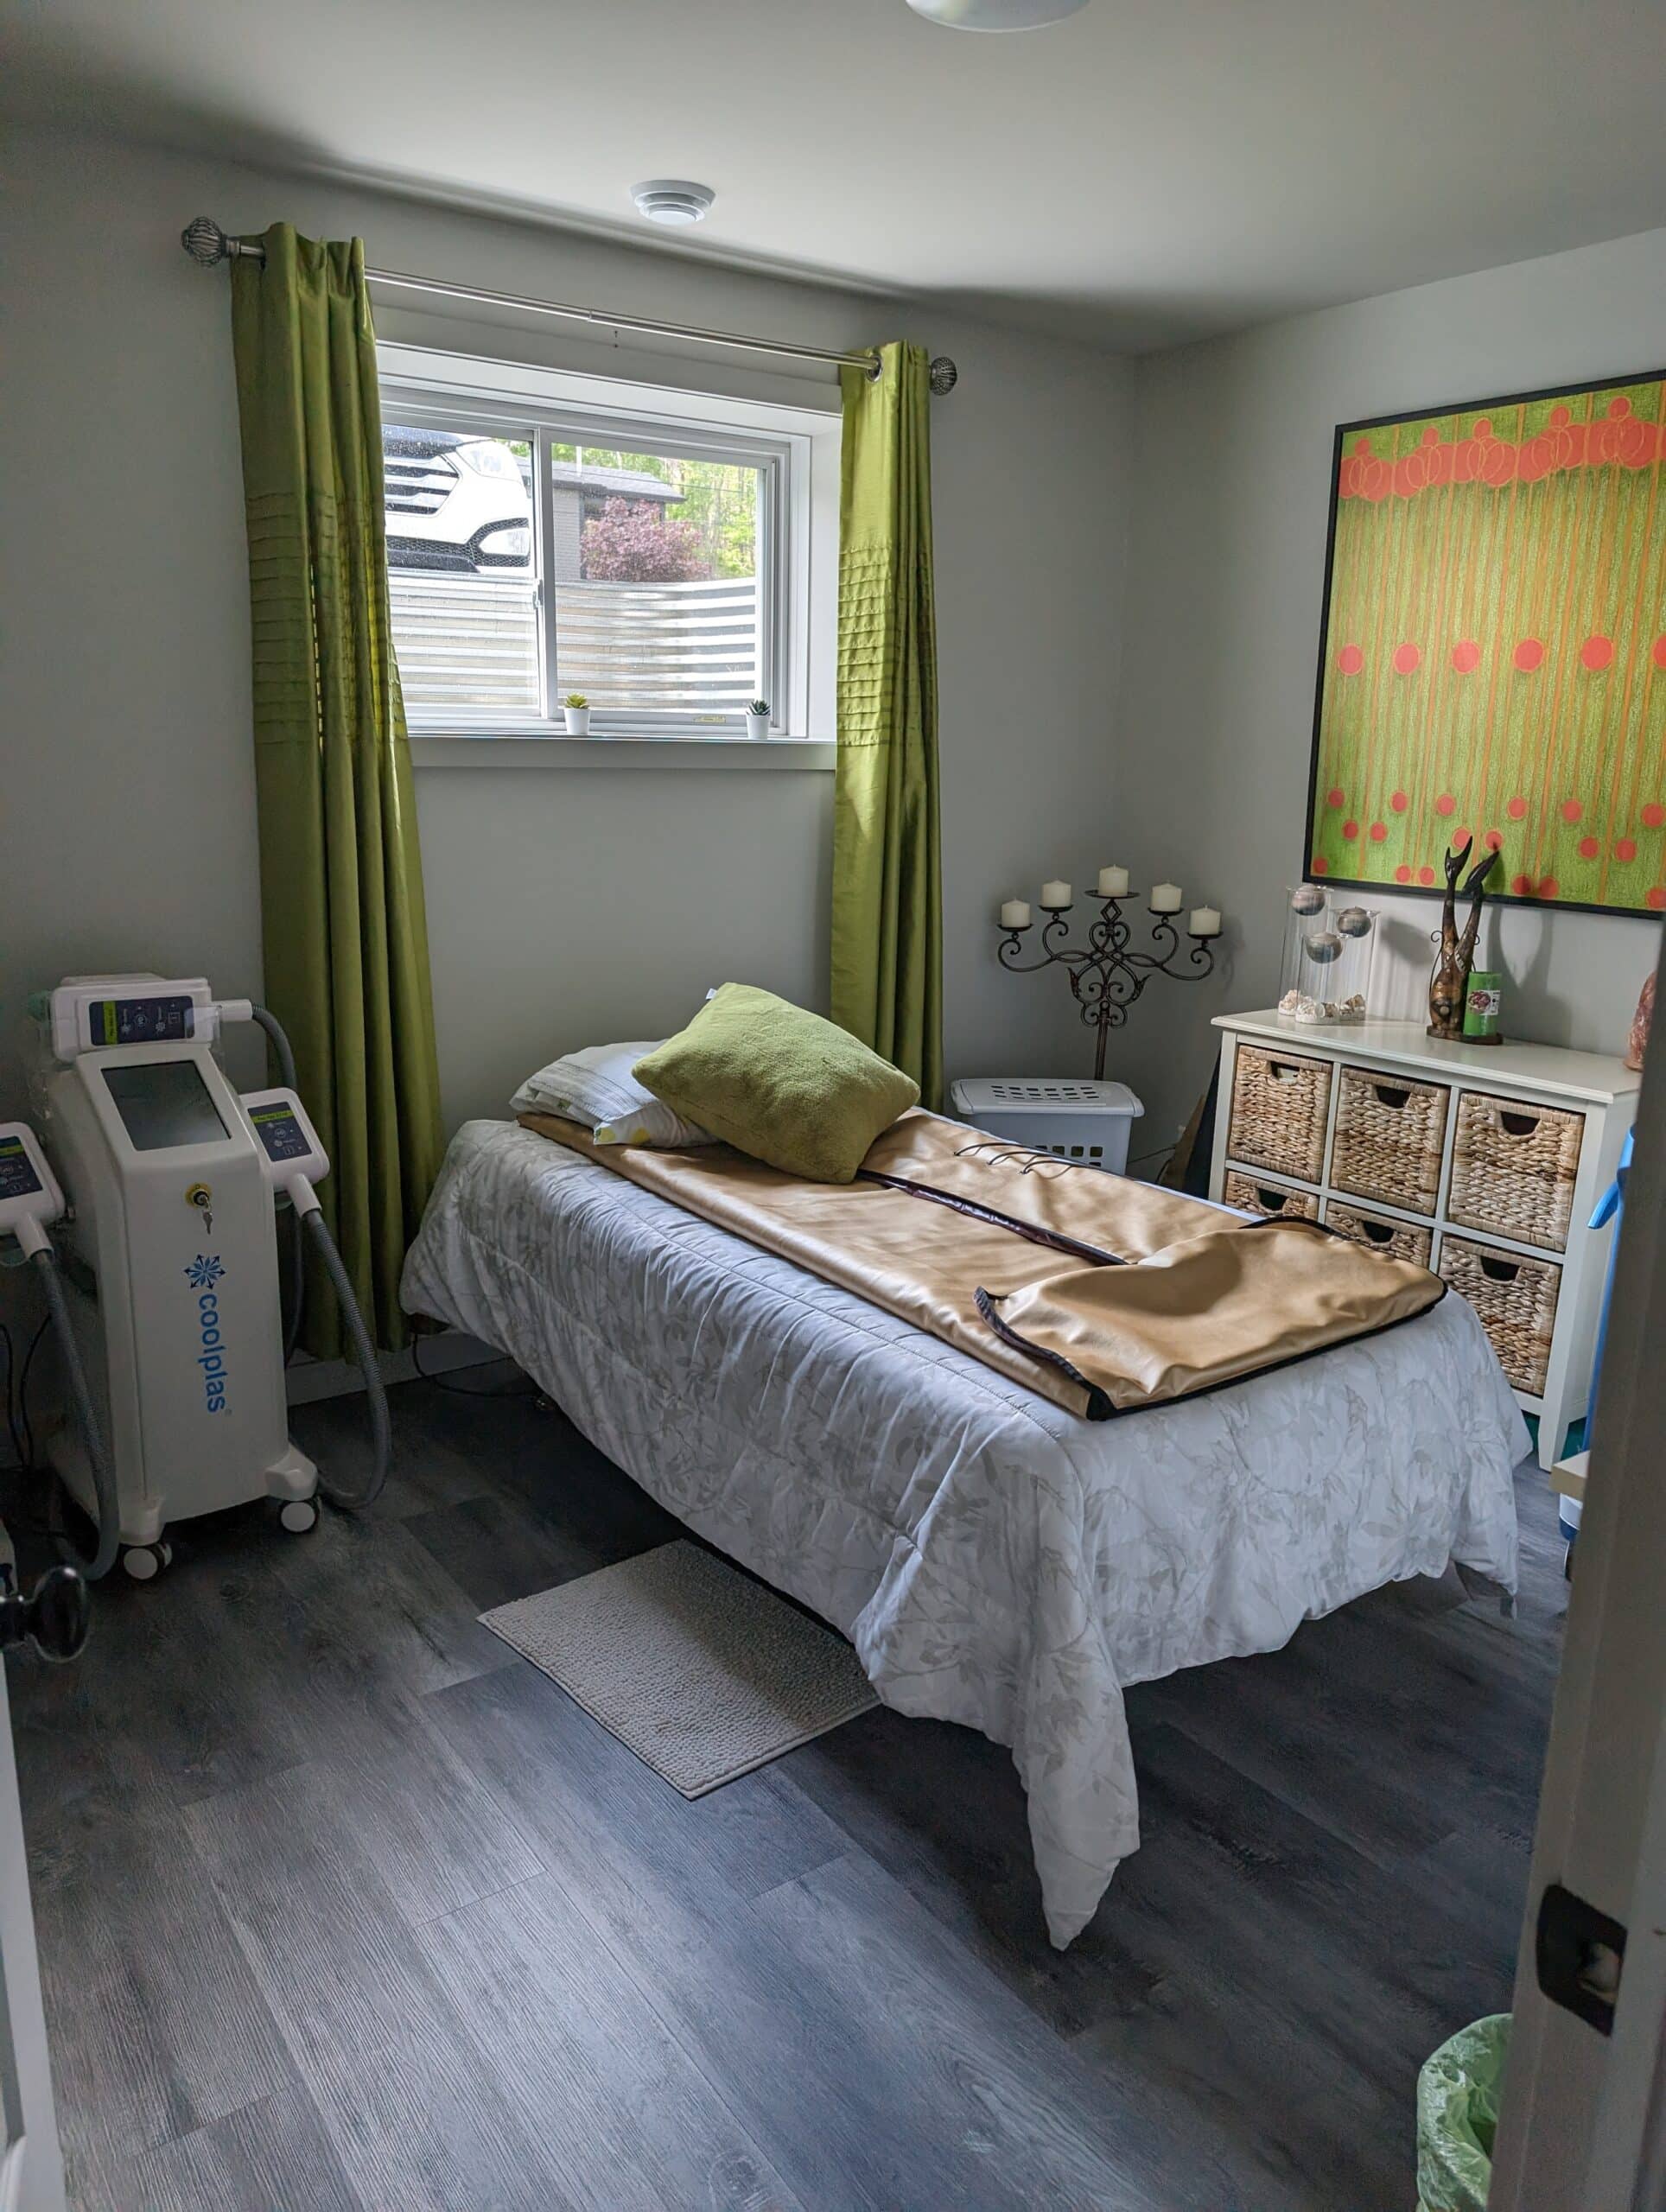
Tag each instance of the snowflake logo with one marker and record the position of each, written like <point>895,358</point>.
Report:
<point>205,1271</point>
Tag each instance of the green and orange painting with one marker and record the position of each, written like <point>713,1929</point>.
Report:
<point>1493,663</point>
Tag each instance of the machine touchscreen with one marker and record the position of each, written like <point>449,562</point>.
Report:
<point>164,1103</point>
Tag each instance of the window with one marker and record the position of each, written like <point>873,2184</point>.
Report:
<point>655,564</point>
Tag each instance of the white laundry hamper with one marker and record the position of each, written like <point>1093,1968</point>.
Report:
<point>1087,1122</point>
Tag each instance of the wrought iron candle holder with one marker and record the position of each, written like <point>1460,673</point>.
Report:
<point>1105,977</point>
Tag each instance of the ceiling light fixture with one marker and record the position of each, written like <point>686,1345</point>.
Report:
<point>995,15</point>
<point>672,200</point>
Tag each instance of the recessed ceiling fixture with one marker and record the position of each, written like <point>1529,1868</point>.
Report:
<point>672,200</point>
<point>995,15</point>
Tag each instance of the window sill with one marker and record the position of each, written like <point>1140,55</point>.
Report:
<point>431,750</point>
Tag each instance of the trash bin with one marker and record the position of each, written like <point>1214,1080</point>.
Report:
<point>1087,1122</point>
<point>1458,2092</point>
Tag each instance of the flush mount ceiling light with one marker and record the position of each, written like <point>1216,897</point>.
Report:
<point>995,15</point>
<point>672,200</point>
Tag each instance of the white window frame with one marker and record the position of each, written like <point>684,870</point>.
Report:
<point>483,395</point>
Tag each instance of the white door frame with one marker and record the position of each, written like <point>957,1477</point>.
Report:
<point>31,2164</point>
<point>1583,2127</point>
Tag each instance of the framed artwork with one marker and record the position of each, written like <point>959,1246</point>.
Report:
<point>1492,656</point>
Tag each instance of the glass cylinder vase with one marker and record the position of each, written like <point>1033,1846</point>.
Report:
<point>1330,951</point>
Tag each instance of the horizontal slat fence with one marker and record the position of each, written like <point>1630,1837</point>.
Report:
<point>468,646</point>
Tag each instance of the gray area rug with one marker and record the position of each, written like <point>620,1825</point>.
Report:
<point>702,1672</point>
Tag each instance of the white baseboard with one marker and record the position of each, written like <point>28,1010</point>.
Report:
<point>307,1379</point>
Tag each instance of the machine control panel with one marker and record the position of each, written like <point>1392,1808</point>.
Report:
<point>93,1013</point>
<point>19,1176</point>
<point>139,1021</point>
<point>279,1129</point>
<point>29,1196</point>
<point>287,1138</point>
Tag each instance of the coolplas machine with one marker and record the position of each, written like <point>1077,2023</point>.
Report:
<point>150,1199</point>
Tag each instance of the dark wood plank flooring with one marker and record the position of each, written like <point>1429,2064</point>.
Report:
<point>343,1908</point>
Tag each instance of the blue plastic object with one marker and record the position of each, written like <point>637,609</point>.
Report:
<point>1611,1206</point>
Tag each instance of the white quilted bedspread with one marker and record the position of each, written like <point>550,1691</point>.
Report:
<point>993,1559</point>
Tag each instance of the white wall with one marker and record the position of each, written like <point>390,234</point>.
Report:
<point>1230,509</point>
<point>562,905</point>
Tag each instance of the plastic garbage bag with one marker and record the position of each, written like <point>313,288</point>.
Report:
<point>1458,2094</point>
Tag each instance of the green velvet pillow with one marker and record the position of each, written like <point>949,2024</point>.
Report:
<point>777,1083</point>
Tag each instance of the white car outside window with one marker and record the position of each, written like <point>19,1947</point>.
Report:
<point>455,503</point>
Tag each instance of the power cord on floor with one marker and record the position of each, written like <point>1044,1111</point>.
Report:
<point>23,1391</point>
<point>463,1390</point>
<point>12,1430</point>
<point>20,1432</point>
<point>1158,1152</point>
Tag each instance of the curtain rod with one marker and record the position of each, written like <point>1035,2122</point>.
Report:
<point>207,245</point>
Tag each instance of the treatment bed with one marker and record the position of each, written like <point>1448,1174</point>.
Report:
<point>995,1559</point>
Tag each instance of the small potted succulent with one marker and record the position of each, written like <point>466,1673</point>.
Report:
<point>757,718</point>
<point>576,708</point>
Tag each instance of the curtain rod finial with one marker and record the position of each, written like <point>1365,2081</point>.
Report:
<point>944,375</point>
<point>205,241</point>
<point>209,245</point>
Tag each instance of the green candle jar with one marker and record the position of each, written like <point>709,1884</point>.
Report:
<point>1484,999</point>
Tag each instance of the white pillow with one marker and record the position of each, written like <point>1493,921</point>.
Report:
<point>595,1087</point>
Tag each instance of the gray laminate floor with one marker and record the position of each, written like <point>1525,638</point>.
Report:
<point>342,1906</point>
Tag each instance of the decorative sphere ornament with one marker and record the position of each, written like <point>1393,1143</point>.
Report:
<point>1323,947</point>
<point>1307,898</point>
<point>1354,921</point>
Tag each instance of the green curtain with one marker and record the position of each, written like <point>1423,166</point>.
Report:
<point>888,918</point>
<point>345,935</point>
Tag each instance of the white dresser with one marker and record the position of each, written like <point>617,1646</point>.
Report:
<point>1483,1162</point>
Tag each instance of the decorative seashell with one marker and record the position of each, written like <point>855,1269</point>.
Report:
<point>1354,921</point>
<point>1307,898</point>
<point>1324,947</point>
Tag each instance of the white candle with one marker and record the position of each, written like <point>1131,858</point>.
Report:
<point>1206,922</point>
<point>1056,894</point>
<point>1113,883</point>
<point>1165,898</point>
<point>1015,915</point>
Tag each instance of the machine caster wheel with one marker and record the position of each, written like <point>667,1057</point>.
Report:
<point>298,1514</point>
<point>144,1562</point>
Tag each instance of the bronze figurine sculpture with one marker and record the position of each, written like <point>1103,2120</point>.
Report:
<point>1457,954</point>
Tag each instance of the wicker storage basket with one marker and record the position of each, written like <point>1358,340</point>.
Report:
<point>1516,1300</point>
<point>1272,1199</point>
<point>1513,1167</point>
<point>1280,1100</point>
<point>1388,1136</point>
<point>1398,1239</point>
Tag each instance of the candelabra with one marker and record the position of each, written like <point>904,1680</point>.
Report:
<point>1105,977</point>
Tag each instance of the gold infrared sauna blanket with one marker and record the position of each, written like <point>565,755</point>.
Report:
<point>1104,1294</point>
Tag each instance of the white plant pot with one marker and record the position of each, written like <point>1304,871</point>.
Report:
<point>578,720</point>
<point>757,725</point>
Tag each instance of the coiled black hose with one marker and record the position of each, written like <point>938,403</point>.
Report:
<point>381,1434</point>
<point>104,1475</point>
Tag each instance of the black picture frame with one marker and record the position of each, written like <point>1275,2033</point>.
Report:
<point>1384,422</point>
